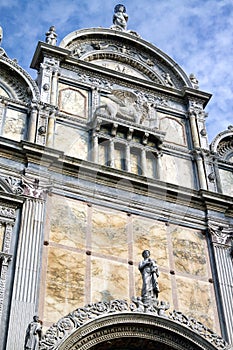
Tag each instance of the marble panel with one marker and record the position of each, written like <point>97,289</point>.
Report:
<point>109,234</point>
<point>73,101</point>
<point>72,141</point>
<point>64,283</point>
<point>177,171</point>
<point>68,222</point>
<point>150,234</point>
<point>109,280</point>
<point>175,130</point>
<point>195,300</point>
<point>189,251</point>
<point>14,125</point>
<point>226,181</point>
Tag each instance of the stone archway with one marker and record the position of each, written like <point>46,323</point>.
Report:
<point>119,326</point>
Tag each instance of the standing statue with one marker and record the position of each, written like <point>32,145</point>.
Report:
<point>150,273</point>
<point>51,36</point>
<point>33,334</point>
<point>120,17</point>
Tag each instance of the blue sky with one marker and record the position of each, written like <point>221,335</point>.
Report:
<point>197,34</point>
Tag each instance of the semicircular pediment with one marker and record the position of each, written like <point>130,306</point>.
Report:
<point>15,82</point>
<point>125,53</point>
<point>112,325</point>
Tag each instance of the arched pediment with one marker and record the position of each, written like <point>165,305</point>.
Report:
<point>223,145</point>
<point>125,53</point>
<point>15,82</point>
<point>117,325</point>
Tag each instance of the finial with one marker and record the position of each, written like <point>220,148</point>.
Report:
<point>51,36</point>
<point>120,18</point>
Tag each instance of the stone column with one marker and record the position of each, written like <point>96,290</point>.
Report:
<point>200,170</point>
<point>221,242</point>
<point>95,149</point>
<point>27,271</point>
<point>193,124</point>
<point>54,85</point>
<point>159,166</point>
<point>33,122</point>
<point>127,158</point>
<point>143,162</point>
<point>112,153</point>
<point>51,129</point>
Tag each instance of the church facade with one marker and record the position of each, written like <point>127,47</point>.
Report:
<point>104,156</point>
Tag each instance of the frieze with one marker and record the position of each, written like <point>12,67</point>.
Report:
<point>7,212</point>
<point>66,326</point>
<point>109,84</point>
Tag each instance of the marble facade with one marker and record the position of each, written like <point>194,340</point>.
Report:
<point>106,155</point>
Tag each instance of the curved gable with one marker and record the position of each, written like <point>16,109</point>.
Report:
<point>15,82</point>
<point>125,53</point>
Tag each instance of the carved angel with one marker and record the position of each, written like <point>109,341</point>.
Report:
<point>122,104</point>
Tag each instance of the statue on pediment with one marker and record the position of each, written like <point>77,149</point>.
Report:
<point>120,17</point>
<point>51,36</point>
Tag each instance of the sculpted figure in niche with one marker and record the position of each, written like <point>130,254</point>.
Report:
<point>150,273</point>
<point>121,104</point>
<point>33,334</point>
<point>120,17</point>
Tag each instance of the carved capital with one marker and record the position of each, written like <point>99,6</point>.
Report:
<point>221,235</point>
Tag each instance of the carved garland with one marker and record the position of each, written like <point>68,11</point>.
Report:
<point>66,326</point>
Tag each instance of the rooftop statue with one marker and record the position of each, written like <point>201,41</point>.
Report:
<point>150,273</point>
<point>120,17</point>
<point>51,36</point>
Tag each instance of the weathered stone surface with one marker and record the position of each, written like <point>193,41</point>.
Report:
<point>73,101</point>
<point>195,299</point>
<point>64,283</point>
<point>14,127</point>
<point>72,141</point>
<point>177,171</point>
<point>109,234</point>
<point>189,250</point>
<point>174,129</point>
<point>226,182</point>
<point>68,222</point>
<point>109,279</point>
<point>150,234</point>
